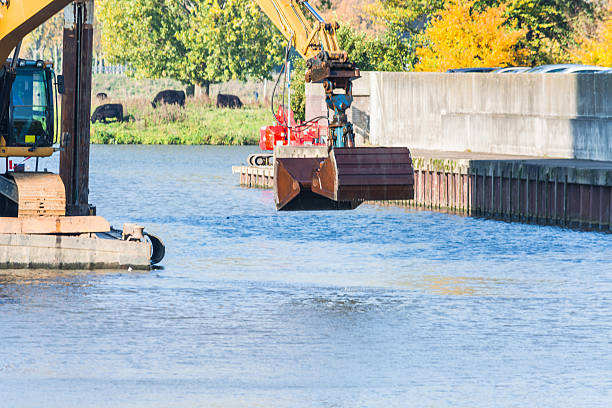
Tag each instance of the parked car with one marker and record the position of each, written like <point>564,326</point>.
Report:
<point>470,70</point>
<point>511,70</point>
<point>606,71</point>
<point>565,69</point>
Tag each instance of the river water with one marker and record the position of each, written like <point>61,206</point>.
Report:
<point>377,307</point>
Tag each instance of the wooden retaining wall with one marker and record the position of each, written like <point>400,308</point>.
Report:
<point>255,177</point>
<point>544,191</point>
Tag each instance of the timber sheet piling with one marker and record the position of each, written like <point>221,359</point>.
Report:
<point>573,193</point>
<point>76,105</point>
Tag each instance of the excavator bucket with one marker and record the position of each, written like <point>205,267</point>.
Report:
<point>292,187</point>
<point>366,173</point>
<point>345,179</point>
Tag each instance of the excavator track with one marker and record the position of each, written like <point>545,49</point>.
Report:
<point>40,194</point>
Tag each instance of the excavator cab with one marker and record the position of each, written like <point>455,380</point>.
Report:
<point>31,110</point>
<point>27,125</point>
<point>27,129</point>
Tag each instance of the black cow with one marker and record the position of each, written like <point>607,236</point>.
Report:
<point>169,97</point>
<point>108,111</point>
<point>101,96</point>
<point>228,101</point>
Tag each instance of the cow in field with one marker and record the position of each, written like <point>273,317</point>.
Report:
<point>169,97</point>
<point>228,101</point>
<point>101,96</point>
<point>108,111</point>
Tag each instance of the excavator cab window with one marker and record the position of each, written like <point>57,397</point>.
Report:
<point>30,115</point>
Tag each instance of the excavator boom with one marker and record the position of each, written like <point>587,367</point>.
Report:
<point>19,17</point>
<point>307,38</point>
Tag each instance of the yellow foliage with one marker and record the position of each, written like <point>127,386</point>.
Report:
<point>598,50</point>
<point>459,36</point>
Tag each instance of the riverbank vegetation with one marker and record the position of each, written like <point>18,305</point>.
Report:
<point>199,122</point>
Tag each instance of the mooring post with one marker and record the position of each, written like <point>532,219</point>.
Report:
<point>76,105</point>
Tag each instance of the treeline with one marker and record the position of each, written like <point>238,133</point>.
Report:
<point>197,42</point>
<point>200,42</point>
<point>434,35</point>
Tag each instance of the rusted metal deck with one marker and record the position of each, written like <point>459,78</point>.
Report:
<point>572,193</point>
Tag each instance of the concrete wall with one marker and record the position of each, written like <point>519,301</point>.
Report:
<point>554,115</point>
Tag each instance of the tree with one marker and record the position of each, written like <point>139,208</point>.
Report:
<point>369,53</point>
<point>143,35</point>
<point>405,16</point>
<point>46,41</point>
<point>194,41</point>
<point>233,40</point>
<point>596,50</point>
<point>460,36</point>
<point>404,22</point>
<point>550,24</point>
<point>298,89</point>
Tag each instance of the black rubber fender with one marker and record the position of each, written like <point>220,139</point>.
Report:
<point>158,249</point>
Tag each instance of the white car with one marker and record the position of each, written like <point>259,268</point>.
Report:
<point>511,70</point>
<point>566,69</point>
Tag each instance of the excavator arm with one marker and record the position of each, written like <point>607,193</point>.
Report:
<point>349,175</point>
<point>309,40</point>
<point>317,43</point>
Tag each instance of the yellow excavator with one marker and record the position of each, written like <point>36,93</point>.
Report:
<point>345,178</point>
<point>349,175</point>
<point>28,125</point>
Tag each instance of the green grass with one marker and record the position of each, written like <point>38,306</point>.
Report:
<point>199,123</point>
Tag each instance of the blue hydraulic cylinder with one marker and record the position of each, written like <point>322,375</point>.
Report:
<point>342,131</point>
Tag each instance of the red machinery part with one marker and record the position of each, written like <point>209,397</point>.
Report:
<point>312,134</point>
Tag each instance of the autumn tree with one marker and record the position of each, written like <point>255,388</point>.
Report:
<point>596,50</point>
<point>550,24</point>
<point>460,36</point>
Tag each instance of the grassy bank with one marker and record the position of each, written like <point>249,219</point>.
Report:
<point>198,123</point>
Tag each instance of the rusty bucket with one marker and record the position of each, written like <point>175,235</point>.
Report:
<point>292,187</point>
<point>344,179</point>
<point>365,173</point>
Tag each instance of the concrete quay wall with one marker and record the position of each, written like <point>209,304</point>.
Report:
<point>545,115</point>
